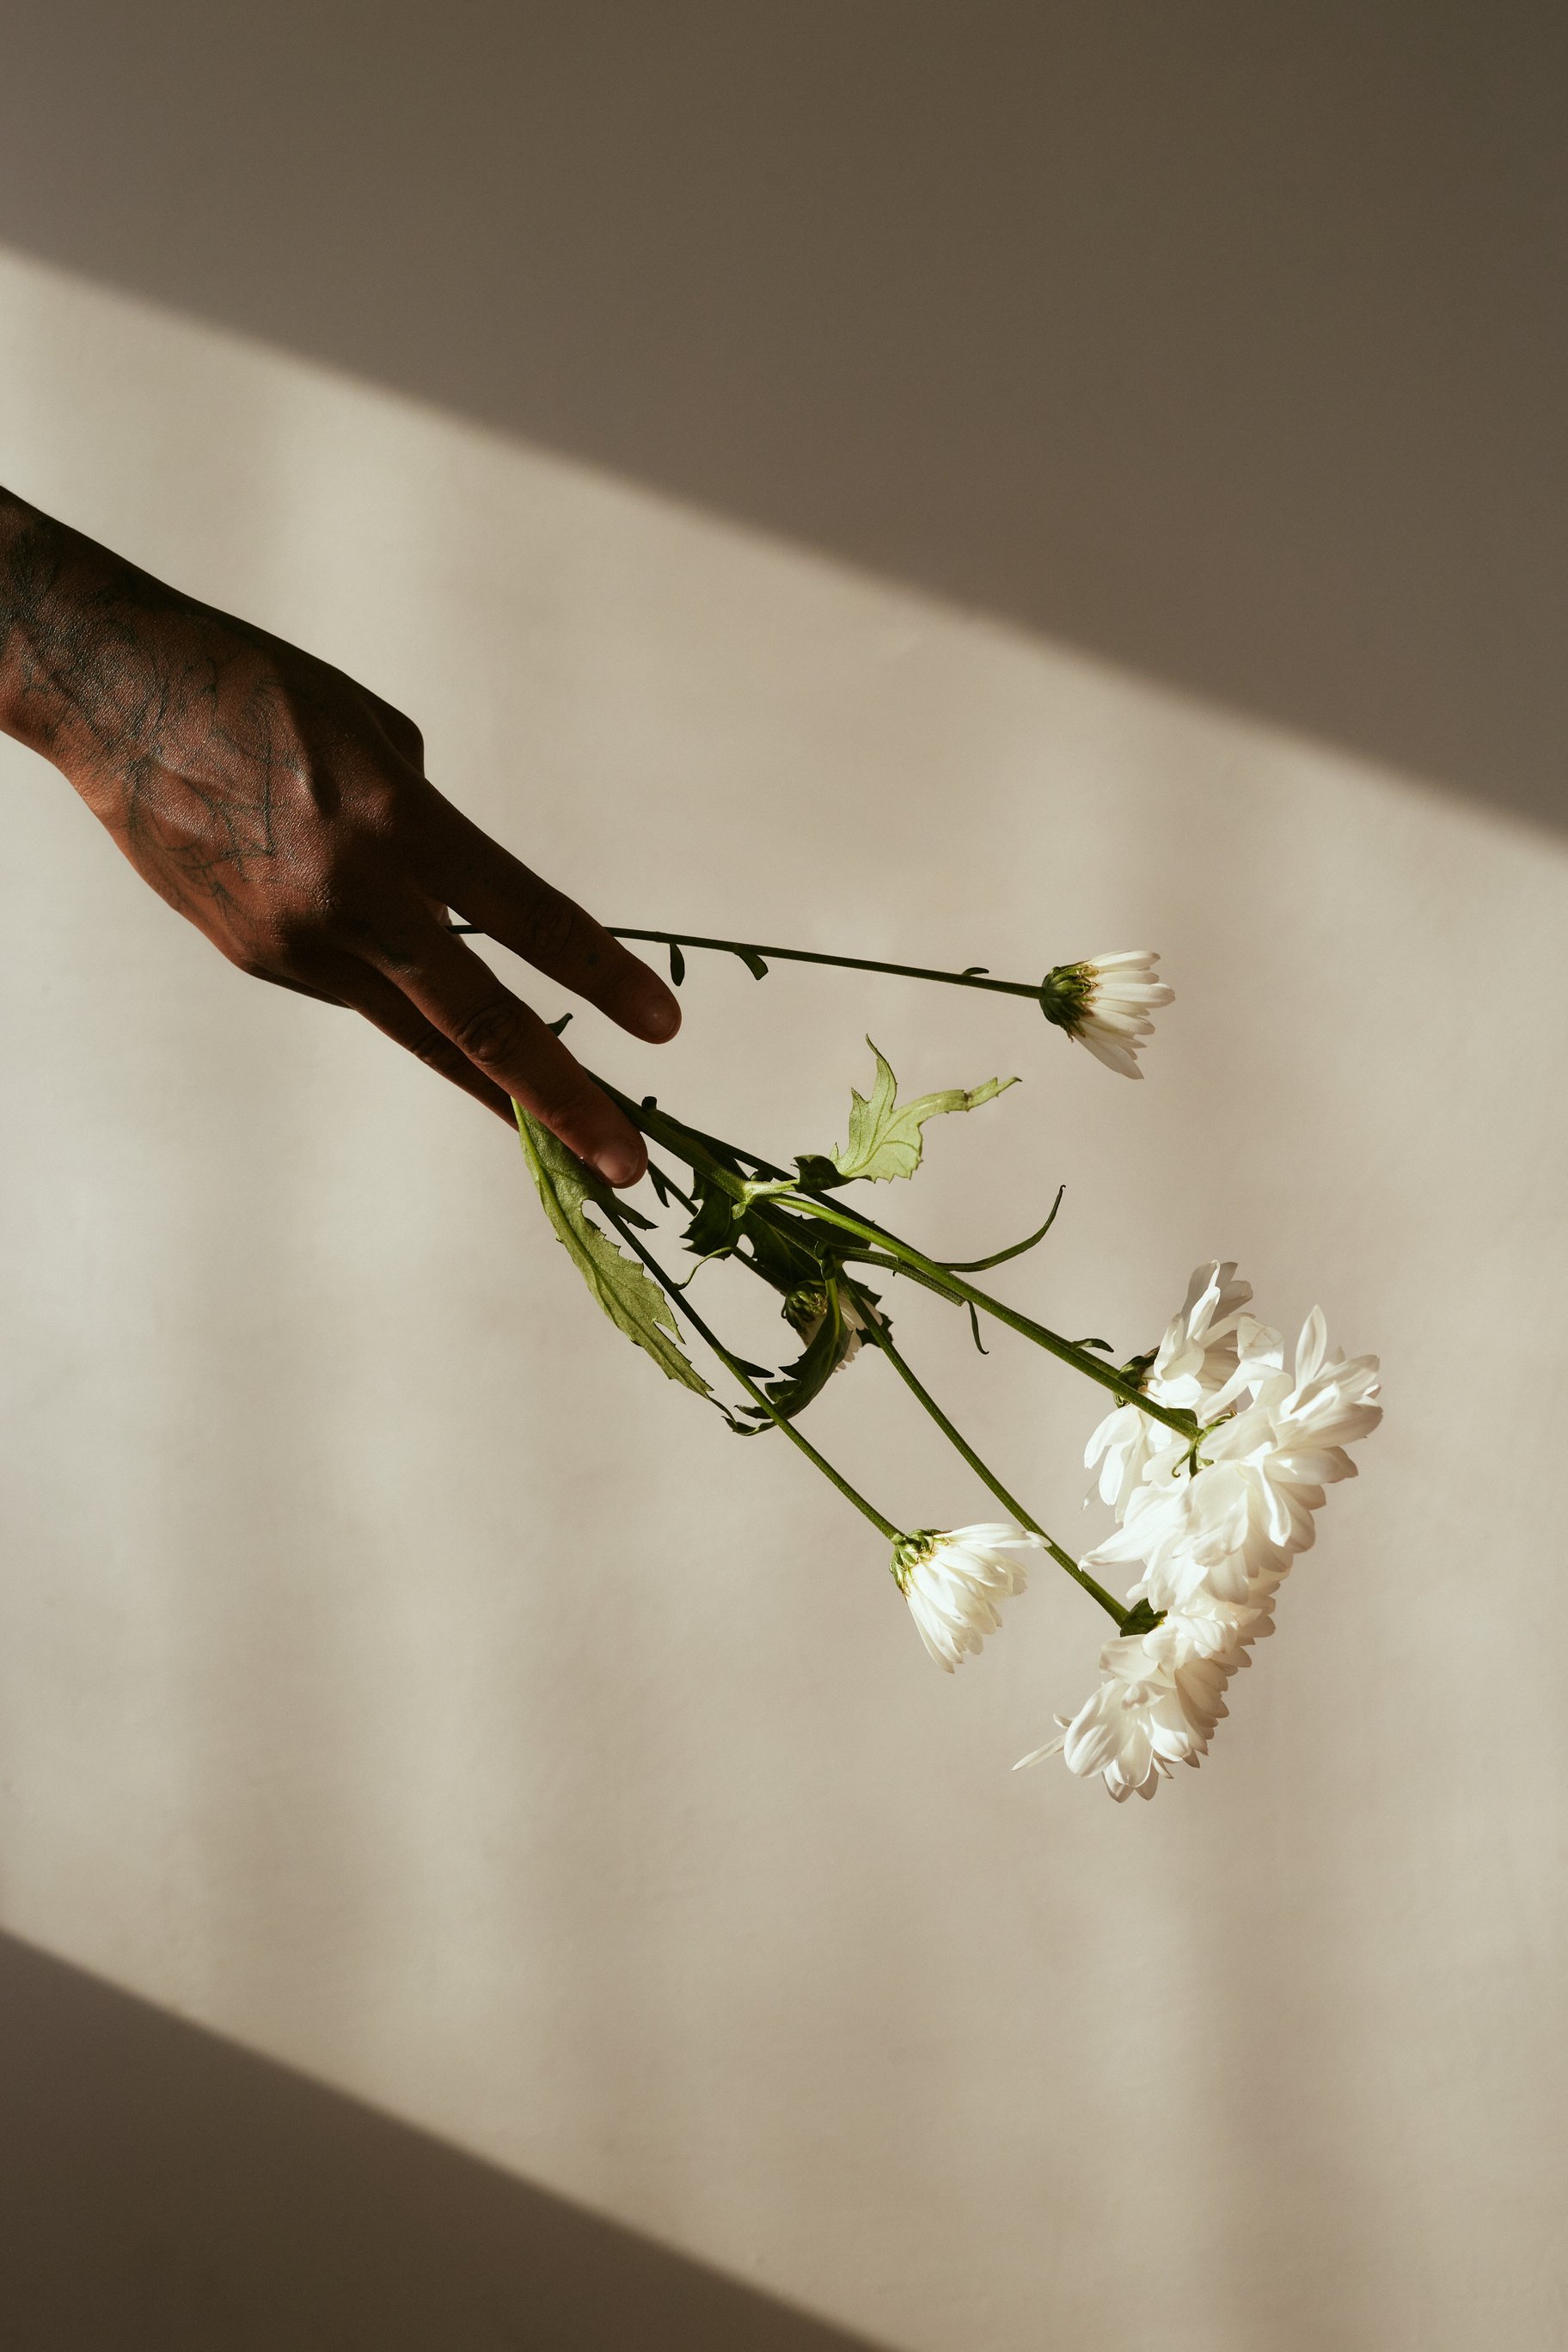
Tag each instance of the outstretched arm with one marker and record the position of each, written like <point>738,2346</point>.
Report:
<point>285,811</point>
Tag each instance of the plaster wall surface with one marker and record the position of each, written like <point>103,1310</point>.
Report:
<point>401,1684</point>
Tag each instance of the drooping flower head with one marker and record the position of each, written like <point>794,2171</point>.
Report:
<point>1162,1696</point>
<point>953,1582</point>
<point>1105,1003</point>
<point>806,1309</point>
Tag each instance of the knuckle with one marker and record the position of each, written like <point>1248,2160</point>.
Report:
<point>382,808</point>
<point>327,916</point>
<point>551,925</point>
<point>283,942</point>
<point>294,931</point>
<point>438,1054</point>
<point>400,731</point>
<point>491,1033</point>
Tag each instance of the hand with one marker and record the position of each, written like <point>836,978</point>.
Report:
<point>285,811</point>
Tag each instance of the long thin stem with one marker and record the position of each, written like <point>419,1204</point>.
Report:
<point>879,1333</point>
<point>940,1279</point>
<point>683,1306</point>
<point>809,955</point>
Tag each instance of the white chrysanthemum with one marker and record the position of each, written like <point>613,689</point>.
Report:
<point>953,1582</point>
<point>1200,1350</point>
<point>1213,1543</point>
<point>1106,1003</point>
<point>1126,1442</point>
<point>1162,1697</point>
<point>1201,1353</point>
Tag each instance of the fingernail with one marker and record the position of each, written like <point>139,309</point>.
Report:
<point>619,1163</point>
<point>659,1015</point>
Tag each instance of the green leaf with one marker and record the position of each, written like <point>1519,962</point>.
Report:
<point>629,1296</point>
<point>1000,1257</point>
<point>753,963</point>
<point>676,964</point>
<point>885,1134</point>
<point>714,1230</point>
<point>785,1255</point>
<point>809,1374</point>
<point>817,1174</point>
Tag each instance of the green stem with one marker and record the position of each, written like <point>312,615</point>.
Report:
<point>879,1333</point>
<point>809,955</point>
<point>938,1277</point>
<point>683,1306</point>
<point>700,1153</point>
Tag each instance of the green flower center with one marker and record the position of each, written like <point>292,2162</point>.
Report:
<point>805,1307</point>
<point>1066,994</point>
<point>909,1550</point>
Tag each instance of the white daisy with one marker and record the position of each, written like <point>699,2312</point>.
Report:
<point>953,1584</point>
<point>1105,1003</point>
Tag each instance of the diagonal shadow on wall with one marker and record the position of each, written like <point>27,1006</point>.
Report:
<point>1226,342</point>
<point>163,2190</point>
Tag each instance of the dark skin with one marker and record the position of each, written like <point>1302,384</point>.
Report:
<point>285,811</point>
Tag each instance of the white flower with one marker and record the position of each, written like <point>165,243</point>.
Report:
<point>1105,1003</point>
<point>1213,1543</point>
<point>1124,1444</point>
<point>1199,1355</point>
<point>1163,1695</point>
<point>1200,1350</point>
<point>953,1584</point>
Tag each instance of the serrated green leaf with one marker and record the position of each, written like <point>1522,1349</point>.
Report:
<point>629,1296</point>
<point>813,1369</point>
<point>714,1229</point>
<point>785,1255</point>
<point>885,1138</point>
<point>817,1173</point>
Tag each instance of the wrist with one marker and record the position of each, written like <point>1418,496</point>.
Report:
<point>78,626</point>
<point>37,638</point>
<point>22,556</point>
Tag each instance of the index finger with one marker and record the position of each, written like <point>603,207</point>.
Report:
<point>507,1043</point>
<point>507,900</point>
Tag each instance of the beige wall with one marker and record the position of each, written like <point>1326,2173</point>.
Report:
<point>403,1684</point>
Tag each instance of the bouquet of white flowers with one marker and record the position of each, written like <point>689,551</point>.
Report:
<point>1216,1453</point>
